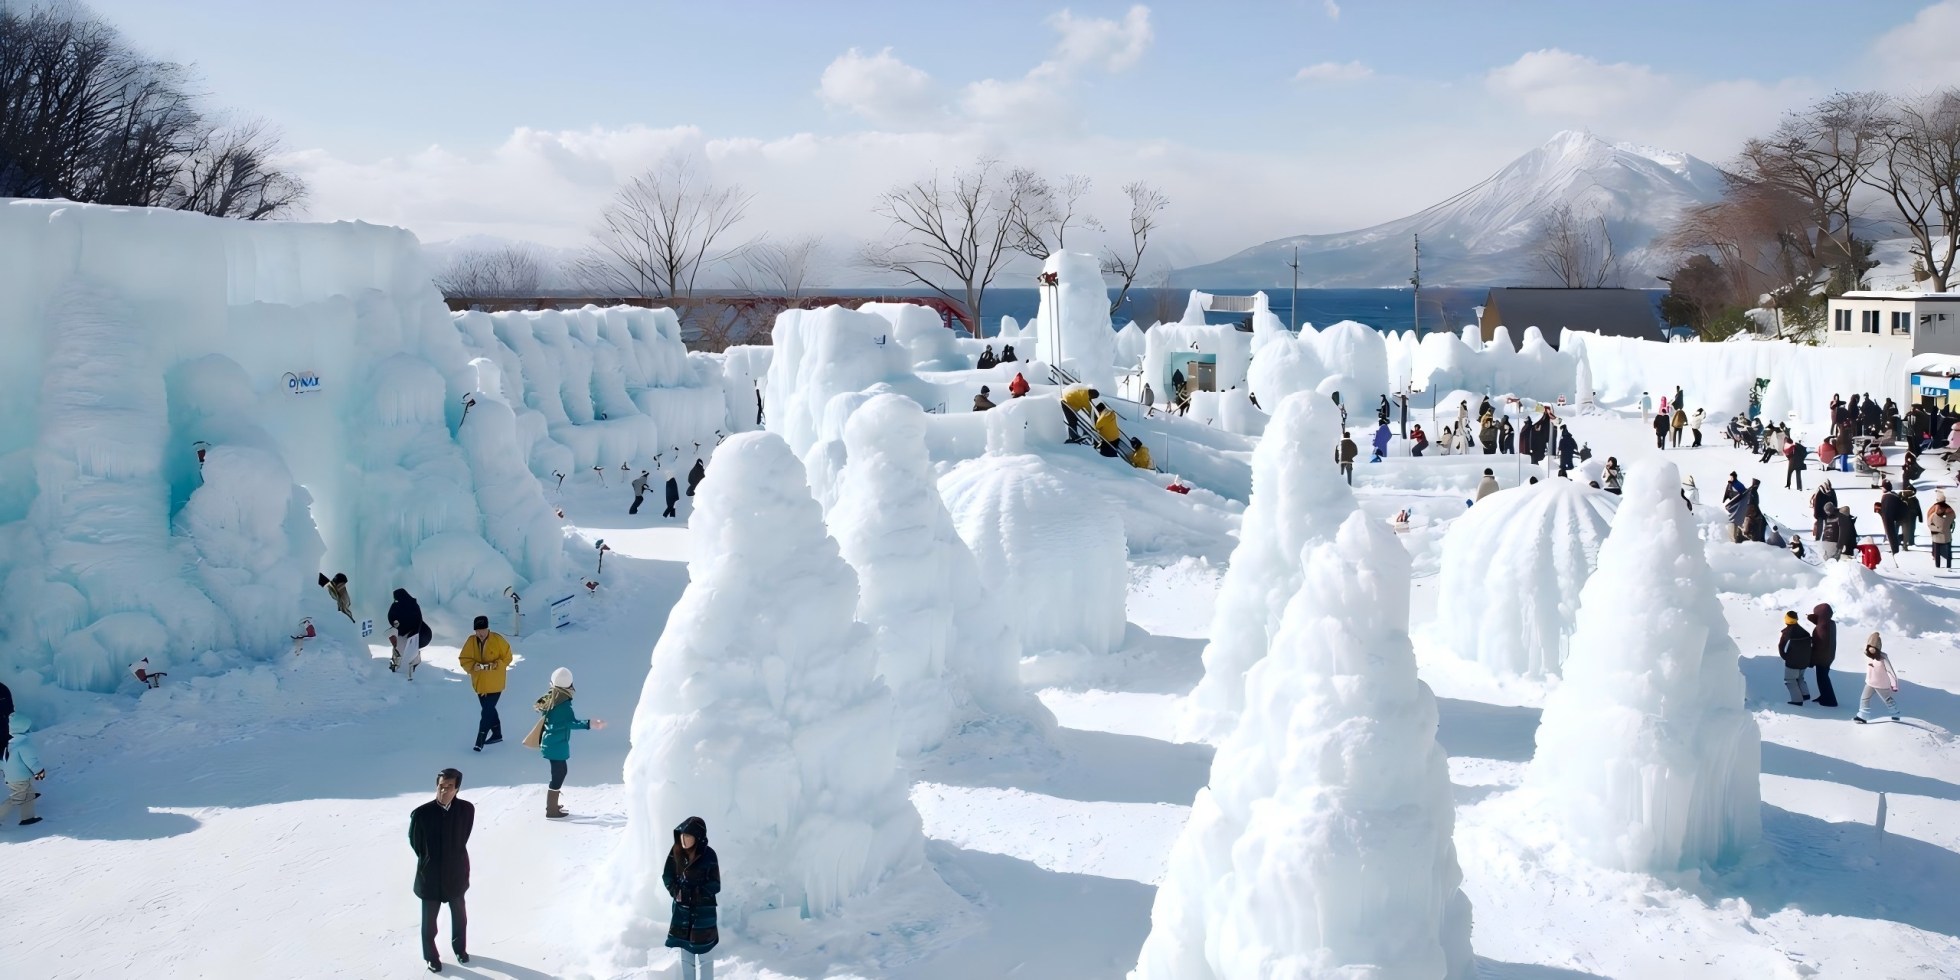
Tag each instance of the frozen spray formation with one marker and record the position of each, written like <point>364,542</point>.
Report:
<point>943,648</point>
<point>317,371</point>
<point>1072,327</point>
<point>1646,757</point>
<point>762,713</point>
<point>1511,572</point>
<point>1322,845</point>
<point>1298,497</point>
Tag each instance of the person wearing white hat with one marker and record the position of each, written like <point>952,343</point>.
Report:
<point>553,734</point>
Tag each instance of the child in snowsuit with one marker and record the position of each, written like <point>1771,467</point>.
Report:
<point>21,766</point>
<point>1880,679</point>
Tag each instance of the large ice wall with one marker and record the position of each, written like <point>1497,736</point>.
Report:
<point>1072,327</point>
<point>1511,572</point>
<point>762,713</point>
<point>1361,354</point>
<point>1322,845</point>
<point>1718,376</point>
<point>827,352</point>
<point>942,641</point>
<point>1298,498</point>
<point>1055,555</point>
<point>325,381</point>
<point>1647,758</point>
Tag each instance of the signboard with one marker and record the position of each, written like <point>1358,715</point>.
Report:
<point>561,612</point>
<point>367,627</point>
<point>302,382</point>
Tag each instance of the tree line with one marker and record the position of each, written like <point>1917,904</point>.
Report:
<point>86,117</point>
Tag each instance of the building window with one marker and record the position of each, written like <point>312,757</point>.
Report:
<point>1841,320</point>
<point>1902,323</point>
<point>1868,321</point>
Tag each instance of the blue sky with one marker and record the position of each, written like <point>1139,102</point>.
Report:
<point>1260,119</point>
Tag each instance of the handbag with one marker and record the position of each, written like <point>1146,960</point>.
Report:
<point>535,737</point>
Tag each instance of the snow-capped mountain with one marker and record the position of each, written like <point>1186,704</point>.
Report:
<point>1481,236</point>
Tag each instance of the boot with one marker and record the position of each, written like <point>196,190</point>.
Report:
<point>551,808</point>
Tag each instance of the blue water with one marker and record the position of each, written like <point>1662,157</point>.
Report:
<point>1383,309</point>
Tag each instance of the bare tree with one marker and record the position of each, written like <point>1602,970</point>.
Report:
<point>1577,252</point>
<point>504,271</point>
<point>1145,202</point>
<point>1819,156</point>
<point>660,231</point>
<point>779,267</point>
<point>85,117</point>
<point>952,235</point>
<point>1918,170</point>
<point>1049,211</point>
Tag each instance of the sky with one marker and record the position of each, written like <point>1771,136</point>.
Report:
<point>1259,120</point>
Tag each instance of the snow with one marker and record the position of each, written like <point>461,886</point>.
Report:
<point>1322,845</point>
<point>1646,756</point>
<point>1718,377</point>
<point>1361,355</point>
<point>1298,498</point>
<point>1512,570</point>
<point>1071,327</point>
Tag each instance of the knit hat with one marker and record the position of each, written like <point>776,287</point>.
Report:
<point>1789,619</point>
<point>481,623</point>
<point>562,677</point>
<point>1872,644</point>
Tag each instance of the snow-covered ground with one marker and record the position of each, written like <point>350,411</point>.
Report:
<point>254,824</point>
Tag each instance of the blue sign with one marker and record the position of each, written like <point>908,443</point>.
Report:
<point>561,612</point>
<point>302,382</point>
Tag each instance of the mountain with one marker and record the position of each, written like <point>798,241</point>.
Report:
<point>1482,236</point>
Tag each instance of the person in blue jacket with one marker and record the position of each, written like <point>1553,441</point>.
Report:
<point>21,766</point>
<point>555,744</point>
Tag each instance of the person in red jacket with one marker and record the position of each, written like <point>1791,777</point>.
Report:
<point>1018,387</point>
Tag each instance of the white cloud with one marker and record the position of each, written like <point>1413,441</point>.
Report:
<point>1333,9</point>
<point>1552,82</point>
<point>1921,54</point>
<point>879,87</point>
<point>1334,71</point>
<point>1096,42</point>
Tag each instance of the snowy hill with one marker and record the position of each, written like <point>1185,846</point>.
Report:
<point>1481,236</point>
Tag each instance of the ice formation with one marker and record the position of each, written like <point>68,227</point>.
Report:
<point>828,352</point>
<point>1511,572</point>
<point>1285,365</point>
<point>1130,345</point>
<point>1718,376</point>
<point>1298,498</point>
<point>1054,555</point>
<point>1360,353</point>
<point>1646,758</point>
<point>1072,327</point>
<point>762,713</point>
<point>942,643</point>
<point>923,334</point>
<point>1322,846</point>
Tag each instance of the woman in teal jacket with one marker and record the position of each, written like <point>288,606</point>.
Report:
<point>556,742</point>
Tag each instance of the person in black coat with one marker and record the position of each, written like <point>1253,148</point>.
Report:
<point>1007,354</point>
<point>1891,511</point>
<point>6,709</point>
<point>1823,650</point>
<point>1825,497</point>
<point>692,875</point>
<point>673,496</point>
<point>1661,426</point>
<point>1507,437</point>
<point>696,475</point>
<point>1797,465</point>
<point>411,632</point>
<point>1847,532</point>
<point>439,833</point>
<point>1566,447</point>
<point>1794,647</point>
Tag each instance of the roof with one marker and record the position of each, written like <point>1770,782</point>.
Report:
<point>1608,312</point>
<point>1901,294</point>
<point>1942,364</point>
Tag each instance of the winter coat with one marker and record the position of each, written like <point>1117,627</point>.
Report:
<point>1660,424</point>
<point>1348,450</point>
<point>1007,354</point>
<point>1700,416</point>
<point>1823,637</point>
<point>405,615</point>
<point>485,661</point>
<point>1615,479</point>
<point>673,491</point>
<point>440,839</point>
<point>341,600</point>
<point>1821,499</point>
<point>1018,386</point>
<point>1797,453</point>
<point>1753,525</point>
<point>695,476</point>
<point>1939,523</point>
<point>1381,441</point>
<point>1890,508</point>
<point>1077,398</point>
<point>1879,675</point>
<point>22,762</point>
<point>981,403</point>
<point>693,886</point>
<point>1486,487</point>
<point>1794,647</point>
<point>556,706</point>
<point>1106,427</point>
<point>1566,447</point>
<point>1488,434</point>
<point>987,360</point>
<point>6,712</point>
<point>640,485</point>
<point>1847,530</point>
<point>1140,457</point>
<point>1680,419</point>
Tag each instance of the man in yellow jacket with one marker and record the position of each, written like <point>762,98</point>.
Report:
<point>1139,454</point>
<point>1076,400</point>
<point>485,657</point>
<point>1107,431</point>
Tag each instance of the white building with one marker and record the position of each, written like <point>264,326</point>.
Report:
<point>1907,322</point>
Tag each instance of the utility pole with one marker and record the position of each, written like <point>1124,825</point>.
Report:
<point>1293,310</point>
<point>1416,281</point>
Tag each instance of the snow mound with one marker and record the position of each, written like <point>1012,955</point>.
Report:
<point>1359,352</point>
<point>1322,846</point>
<point>1512,569</point>
<point>762,714</point>
<point>1284,365</point>
<point>1054,556</point>
<point>1298,498</point>
<point>821,354</point>
<point>942,648</point>
<point>1071,327</point>
<point>1646,758</point>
